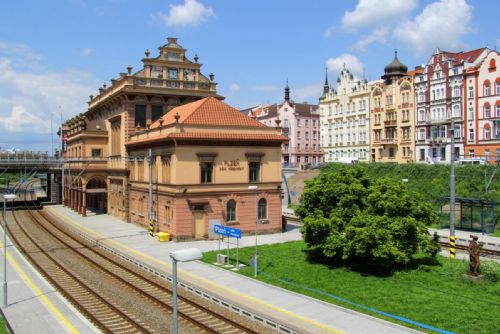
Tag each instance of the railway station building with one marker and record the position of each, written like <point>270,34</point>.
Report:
<point>105,150</point>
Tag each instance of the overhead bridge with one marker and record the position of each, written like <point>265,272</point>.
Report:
<point>29,164</point>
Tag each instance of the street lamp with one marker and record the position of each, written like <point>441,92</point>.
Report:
<point>184,255</point>
<point>6,197</point>
<point>256,256</point>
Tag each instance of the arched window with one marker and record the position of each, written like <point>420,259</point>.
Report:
<point>487,110</point>
<point>487,88</point>
<point>487,132</point>
<point>493,65</point>
<point>262,208</point>
<point>231,210</point>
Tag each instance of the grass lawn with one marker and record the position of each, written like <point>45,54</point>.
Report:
<point>3,329</point>
<point>434,294</point>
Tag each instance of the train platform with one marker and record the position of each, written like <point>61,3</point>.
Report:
<point>33,305</point>
<point>272,305</point>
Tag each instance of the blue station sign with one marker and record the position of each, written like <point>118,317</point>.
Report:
<point>227,231</point>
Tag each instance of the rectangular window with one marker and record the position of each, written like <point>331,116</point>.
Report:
<point>253,171</point>
<point>96,152</point>
<point>422,154</point>
<point>443,153</point>
<point>156,113</point>
<point>140,116</point>
<point>471,153</point>
<point>206,172</point>
<point>167,215</point>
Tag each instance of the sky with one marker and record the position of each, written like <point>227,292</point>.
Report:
<point>54,54</point>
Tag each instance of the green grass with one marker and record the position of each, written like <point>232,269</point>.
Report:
<point>436,293</point>
<point>3,328</point>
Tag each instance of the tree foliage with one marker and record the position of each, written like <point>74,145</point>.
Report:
<point>361,221</point>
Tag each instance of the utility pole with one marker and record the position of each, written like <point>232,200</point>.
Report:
<point>150,205</point>
<point>62,162</point>
<point>452,190</point>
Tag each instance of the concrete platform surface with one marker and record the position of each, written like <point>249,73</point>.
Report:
<point>33,305</point>
<point>302,313</point>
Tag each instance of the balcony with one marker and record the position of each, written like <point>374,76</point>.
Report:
<point>391,122</point>
<point>132,82</point>
<point>389,141</point>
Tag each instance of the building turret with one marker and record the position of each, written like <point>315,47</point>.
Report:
<point>326,86</point>
<point>395,69</point>
<point>287,92</point>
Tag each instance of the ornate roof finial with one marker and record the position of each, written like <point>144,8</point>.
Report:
<point>196,58</point>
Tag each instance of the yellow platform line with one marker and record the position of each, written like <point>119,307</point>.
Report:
<point>208,282</point>
<point>54,309</point>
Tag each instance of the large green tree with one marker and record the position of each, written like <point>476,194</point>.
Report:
<point>359,221</point>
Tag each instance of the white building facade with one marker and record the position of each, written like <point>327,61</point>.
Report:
<point>344,113</point>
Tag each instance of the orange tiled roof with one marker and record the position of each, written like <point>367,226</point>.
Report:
<point>215,136</point>
<point>208,111</point>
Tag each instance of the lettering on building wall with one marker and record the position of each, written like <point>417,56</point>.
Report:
<point>231,165</point>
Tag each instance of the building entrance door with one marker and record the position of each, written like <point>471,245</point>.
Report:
<point>199,224</point>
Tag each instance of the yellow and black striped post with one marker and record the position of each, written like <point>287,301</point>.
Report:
<point>151,227</point>
<point>452,247</point>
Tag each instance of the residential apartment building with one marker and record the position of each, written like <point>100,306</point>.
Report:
<point>439,90</point>
<point>300,122</point>
<point>345,121</point>
<point>481,87</point>
<point>392,115</point>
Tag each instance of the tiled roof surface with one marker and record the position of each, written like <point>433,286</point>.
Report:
<point>216,136</point>
<point>208,111</point>
<point>468,56</point>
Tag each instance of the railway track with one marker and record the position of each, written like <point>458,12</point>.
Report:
<point>484,251</point>
<point>99,287</point>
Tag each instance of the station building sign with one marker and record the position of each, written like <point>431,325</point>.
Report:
<point>227,231</point>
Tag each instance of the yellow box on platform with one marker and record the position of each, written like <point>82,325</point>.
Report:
<point>163,236</point>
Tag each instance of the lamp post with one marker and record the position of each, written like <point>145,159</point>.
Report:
<point>256,256</point>
<point>6,197</point>
<point>452,189</point>
<point>184,255</point>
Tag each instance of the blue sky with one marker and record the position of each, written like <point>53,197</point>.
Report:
<point>54,54</point>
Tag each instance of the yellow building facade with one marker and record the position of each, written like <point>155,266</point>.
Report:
<point>392,116</point>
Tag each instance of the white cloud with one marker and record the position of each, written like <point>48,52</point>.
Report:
<point>376,13</point>
<point>19,120</point>
<point>234,87</point>
<point>86,52</point>
<point>441,24</point>
<point>329,32</point>
<point>351,62</point>
<point>29,96</point>
<point>191,13</point>
<point>378,35</point>
<point>264,88</point>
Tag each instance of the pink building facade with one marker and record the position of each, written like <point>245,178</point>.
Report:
<point>300,122</point>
